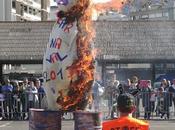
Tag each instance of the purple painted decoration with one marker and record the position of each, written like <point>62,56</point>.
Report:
<point>62,2</point>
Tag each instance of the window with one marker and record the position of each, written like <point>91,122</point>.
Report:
<point>24,20</point>
<point>34,12</point>
<point>170,66</point>
<point>30,10</point>
<point>22,10</point>
<point>25,8</point>
<point>139,65</point>
<point>38,1</point>
<point>159,66</point>
<point>13,4</point>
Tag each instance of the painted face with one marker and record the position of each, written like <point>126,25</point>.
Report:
<point>65,5</point>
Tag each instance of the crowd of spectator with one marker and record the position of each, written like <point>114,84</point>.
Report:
<point>16,98</point>
<point>158,100</point>
<point>153,101</point>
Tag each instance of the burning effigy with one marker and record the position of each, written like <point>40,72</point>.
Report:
<point>68,62</point>
<point>68,67</point>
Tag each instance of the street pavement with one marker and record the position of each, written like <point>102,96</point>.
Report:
<point>69,125</point>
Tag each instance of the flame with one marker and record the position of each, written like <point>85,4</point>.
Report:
<point>108,4</point>
<point>79,94</point>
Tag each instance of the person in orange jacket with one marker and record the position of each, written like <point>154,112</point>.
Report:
<point>126,106</point>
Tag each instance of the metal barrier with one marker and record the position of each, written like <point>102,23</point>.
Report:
<point>16,106</point>
<point>150,105</point>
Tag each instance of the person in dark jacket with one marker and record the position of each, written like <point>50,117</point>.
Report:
<point>172,93</point>
<point>41,91</point>
<point>16,100</point>
<point>7,90</point>
<point>163,103</point>
<point>146,95</point>
<point>1,102</point>
<point>23,97</point>
<point>135,82</point>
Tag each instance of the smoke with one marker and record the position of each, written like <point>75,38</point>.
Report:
<point>100,1</point>
<point>102,5</point>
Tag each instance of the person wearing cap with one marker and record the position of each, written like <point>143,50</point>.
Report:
<point>126,106</point>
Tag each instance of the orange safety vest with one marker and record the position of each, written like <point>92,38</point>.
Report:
<point>125,123</point>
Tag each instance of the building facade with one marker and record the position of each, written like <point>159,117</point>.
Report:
<point>142,10</point>
<point>53,11</point>
<point>24,10</point>
<point>145,49</point>
<point>5,10</point>
<point>151,9</point>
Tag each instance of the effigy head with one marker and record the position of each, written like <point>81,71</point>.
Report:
<point>65,5</point>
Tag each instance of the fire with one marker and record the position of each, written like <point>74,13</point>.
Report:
<point>79,94</point>
<point>108,4</point>
<point>80,88</point>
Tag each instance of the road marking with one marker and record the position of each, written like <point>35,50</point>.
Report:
<point>4,125</point>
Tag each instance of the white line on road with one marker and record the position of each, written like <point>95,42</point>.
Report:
<point>6,124</point>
